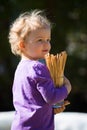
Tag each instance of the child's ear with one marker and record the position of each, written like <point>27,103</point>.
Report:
<point>21,45</point>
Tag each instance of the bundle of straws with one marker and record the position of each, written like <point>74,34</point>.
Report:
<point>56,65</point>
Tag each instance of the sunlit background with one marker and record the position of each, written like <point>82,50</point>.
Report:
<point>69,32</point>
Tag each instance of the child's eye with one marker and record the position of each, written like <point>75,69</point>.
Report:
<point>40,40</point>
<point>48,40</point>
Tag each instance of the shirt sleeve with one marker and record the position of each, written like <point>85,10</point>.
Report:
<point>45,86</point>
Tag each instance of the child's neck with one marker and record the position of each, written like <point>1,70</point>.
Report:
<point>27,58</point>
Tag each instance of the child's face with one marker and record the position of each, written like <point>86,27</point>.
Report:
<point>37,44</point>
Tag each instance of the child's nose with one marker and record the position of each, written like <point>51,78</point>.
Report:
<point>47,44</point>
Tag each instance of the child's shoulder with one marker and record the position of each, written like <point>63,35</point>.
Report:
<point>39,65</point>
<point>32,64</point>
<point>40,68</point>
<point>33,68</point>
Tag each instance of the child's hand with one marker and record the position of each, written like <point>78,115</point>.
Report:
<point>62,108</point>
<point>67,84</point>
<point>58,110</point>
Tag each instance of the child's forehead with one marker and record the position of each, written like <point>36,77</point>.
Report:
<point>41,32</point>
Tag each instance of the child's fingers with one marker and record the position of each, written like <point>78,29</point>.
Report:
<point>58,110</point>
<point>66,102</point>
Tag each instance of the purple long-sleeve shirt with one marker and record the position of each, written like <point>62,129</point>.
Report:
<point>33,96</point>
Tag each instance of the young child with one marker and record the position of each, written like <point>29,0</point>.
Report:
<point>34,93</point>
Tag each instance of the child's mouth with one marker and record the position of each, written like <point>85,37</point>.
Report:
<point>45,50</point>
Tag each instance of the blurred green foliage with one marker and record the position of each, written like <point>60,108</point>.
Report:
<point>69,19</point>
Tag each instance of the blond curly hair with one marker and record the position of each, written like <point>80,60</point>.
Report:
<point>23,25</point>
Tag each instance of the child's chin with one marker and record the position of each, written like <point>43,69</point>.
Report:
<point>42,57</point>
